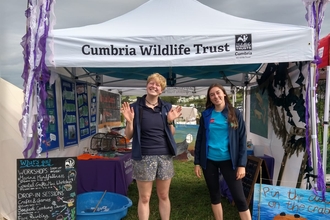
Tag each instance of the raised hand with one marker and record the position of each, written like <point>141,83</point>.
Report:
<point>127,112</point>
<point>174,113</point>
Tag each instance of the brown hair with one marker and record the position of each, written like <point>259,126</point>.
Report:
<point>232,119</point>
<point>159,79</point>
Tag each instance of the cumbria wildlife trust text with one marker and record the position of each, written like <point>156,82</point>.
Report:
<point>154,50</point>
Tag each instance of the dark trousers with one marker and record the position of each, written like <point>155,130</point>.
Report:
<point>211,175</point>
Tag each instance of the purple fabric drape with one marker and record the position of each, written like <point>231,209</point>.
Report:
<point>314,16</point>
<point>35,75</point>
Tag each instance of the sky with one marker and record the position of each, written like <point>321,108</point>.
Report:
<point>74,13</point>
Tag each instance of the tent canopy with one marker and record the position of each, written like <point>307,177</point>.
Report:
<point>184,40</point>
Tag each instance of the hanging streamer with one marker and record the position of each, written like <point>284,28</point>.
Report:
<point>35,74</point>
<point>314,16</point>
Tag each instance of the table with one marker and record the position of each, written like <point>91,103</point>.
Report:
<point>113,175</point>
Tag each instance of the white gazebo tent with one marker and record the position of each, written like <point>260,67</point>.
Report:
<point>185,33</point>
<point>186,41</point>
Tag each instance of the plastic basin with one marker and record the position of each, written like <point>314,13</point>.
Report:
<point>112,206</point>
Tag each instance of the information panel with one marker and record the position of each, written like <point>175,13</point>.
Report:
<point>51,139</point>
<point>83,111</point>
<point>46,188</point>
<point>69,113</point>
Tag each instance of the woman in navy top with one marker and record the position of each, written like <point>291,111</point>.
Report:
<point>221,144</point>
<point>149,121</point>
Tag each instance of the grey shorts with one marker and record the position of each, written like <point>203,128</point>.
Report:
<point>153,167</point>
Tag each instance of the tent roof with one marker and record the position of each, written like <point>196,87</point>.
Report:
<point>176,36</point>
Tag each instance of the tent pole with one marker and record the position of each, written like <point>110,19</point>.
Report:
<point>313,117</point>
<point>326,122</point>
<point>235,97</point>
<point>244,102</point>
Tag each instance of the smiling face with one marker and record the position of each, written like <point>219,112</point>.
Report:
<point>156,84</point>
<point>154,88</point>
<point>217,97</point>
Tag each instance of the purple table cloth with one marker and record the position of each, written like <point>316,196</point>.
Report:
<point>113,175</point>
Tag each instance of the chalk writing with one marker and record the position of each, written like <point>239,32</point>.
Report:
<point>35,163</point>
<point>46,188</point>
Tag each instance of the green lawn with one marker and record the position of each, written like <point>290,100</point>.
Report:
<point>189,198</point>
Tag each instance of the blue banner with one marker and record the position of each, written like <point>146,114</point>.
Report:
<point>51,139</point>
<point>69,113</point>
<point>278,202</point>
<point>83,110</point>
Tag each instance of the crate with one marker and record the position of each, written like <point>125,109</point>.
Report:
<point>104,142</point>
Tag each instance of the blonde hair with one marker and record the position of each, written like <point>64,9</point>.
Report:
<point>159,79</point>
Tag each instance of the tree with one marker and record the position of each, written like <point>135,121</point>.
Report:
<point>126,99</point>
<point>171,99</point>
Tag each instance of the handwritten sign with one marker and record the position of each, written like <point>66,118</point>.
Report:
<point>46,188</point>
<point>270,202</point>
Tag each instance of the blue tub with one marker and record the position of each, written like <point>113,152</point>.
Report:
<point>113,206</point>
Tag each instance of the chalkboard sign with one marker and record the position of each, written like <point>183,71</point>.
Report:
<point>252,175</point>
<point>46,188</point>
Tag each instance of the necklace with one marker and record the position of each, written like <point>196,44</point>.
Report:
<point>151,103</point>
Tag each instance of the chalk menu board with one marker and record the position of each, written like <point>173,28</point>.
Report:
<point>252,175</point>
<point>46,188</point>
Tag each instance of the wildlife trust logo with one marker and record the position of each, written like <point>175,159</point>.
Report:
<point>243,45</point>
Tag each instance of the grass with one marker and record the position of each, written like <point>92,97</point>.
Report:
<point>189,197</point>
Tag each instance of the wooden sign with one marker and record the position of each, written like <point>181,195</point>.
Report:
<point>252,175</point>
<point>46,188</point>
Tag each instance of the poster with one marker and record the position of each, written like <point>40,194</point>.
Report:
<point>258,112</point>
<point>109,110</point>
<point>51,139</point>
<point>93,110</point>
<point>277,201</point>
<point>83,113</point>
<point>69,113</point>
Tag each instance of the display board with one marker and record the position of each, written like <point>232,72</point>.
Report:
<point>93,108</point>
<point>83,110</point>
<point>69,113</point>
<point>259,112</point>
<point>109,108</point>
<point>46,188</point>
<point>252,175</point>
<point>51,139</point>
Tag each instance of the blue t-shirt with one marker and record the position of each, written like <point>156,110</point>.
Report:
<point>218,138</point>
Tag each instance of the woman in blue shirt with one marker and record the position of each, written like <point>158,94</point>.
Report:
<point>221,144</point>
